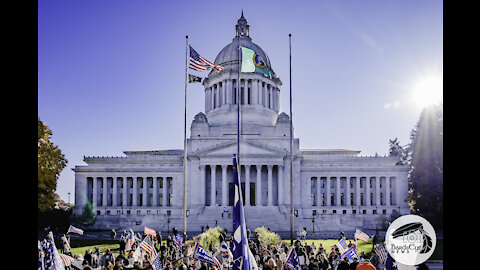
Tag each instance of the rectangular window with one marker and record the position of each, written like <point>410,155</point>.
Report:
<point>160,201</point>
<point>249,95</point>
<point>159,212</point>
<point>141,182</point>
<point>128,212</point>
<point>148,212</point>
<point>139,212</point>
<point>118,212</point>
<point>361,182</point>
<point>242,95</point>
<point>161,181</point>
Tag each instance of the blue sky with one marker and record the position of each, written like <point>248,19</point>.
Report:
<point>111,73</point>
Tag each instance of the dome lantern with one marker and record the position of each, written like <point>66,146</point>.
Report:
<point>242,27</point>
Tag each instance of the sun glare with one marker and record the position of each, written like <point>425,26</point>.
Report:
<point>428,91</point>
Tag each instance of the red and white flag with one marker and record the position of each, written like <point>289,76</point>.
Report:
<point>67,260</point>
<point>199,63</point>
<point>361,235</point>
<point>147,245</point>
<point>150,232</point>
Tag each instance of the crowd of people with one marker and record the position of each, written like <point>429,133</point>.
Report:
<point>175,256</point>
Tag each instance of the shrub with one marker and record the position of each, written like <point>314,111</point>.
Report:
<point>212,235</point>
<point>266,237</point>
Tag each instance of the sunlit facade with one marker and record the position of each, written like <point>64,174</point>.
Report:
<point>333,189</point>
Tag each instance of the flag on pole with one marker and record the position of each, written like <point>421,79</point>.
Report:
<point>193,78</point>
<point>361,235</point>
<point>41,257</point>
<point>67,260</point>
<point>292,262</point>
<point>226,250</point>
<point>52,257</point>
<point>150,231</point>
<point>66,245</point>
<point>242,256</point>
<point>342,245</point>
<point>147,245</point>
<point>200,254</point>
<point>382,253</point>
<point>157,263</point>
<point>74,230</point>
<point>130,240</point>
<point>199,63</point>
<point>350,253</point>
<point>253,62</point>
<point>178,240</point>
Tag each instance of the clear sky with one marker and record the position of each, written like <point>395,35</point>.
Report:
<point>111,72</point>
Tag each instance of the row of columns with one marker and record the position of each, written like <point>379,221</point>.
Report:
<point>221,93</point>
<point>134,188</point>
<point>258,194</point>
<point>357,191</point>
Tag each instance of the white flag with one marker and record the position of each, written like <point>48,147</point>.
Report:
<point>74,230</point>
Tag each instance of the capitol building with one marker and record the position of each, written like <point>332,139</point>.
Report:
<point>333,189</point>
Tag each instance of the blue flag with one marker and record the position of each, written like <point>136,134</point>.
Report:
<point>178,239</point>
<point>52,258</point>
<point>200,254</point>
<point>242,256</point>
<point>157,263</point>
<point>350,253</point>
<point>292,262</point>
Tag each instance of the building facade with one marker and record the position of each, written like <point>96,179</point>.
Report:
<point>333,188</point>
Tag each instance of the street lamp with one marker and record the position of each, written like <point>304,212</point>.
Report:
<point>313,224</point>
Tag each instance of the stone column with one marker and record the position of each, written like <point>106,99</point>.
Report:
<point>145,193</point>
<point>327,197</point>
<point>368,191</point>
<point>125,187</point>
<point>337,191</point>
<point>377,191</point>
<point>357,190</point>
<point>155,192</point>
<point>95,191</point>
<point>247,185</point>
<point>114,196</point>
<point>135,191</point>
<point>271,97</point>
<point>387,191</point>
<point>224,186</point>
<point>280,184</point>
<point>203,184</point>
<point>319,191</point>
<point>165,191</point>
<point>270,189</point>
<point>213,188</point>
<point>104,200</point>
<point>258,193</point>
<point>347,195</point>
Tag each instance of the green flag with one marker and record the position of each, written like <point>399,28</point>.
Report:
<point>253,62</point>
<point>193,78</point>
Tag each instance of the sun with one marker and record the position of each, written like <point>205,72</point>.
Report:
<point>428,91</point>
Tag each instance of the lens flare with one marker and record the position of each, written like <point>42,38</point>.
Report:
<point>428,91</point>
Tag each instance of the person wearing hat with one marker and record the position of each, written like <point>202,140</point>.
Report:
<point>106,259</point>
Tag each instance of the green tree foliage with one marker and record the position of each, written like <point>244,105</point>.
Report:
<point>51,162</point>
<point>267,237</point>
<point>426,175</point>
<point>399,151</point>
<point>88,216</point>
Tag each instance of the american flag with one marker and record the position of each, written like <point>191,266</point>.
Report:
<point>361,235</point>
<point>130,240</point>
<point>382,253</point>
<point>67,260</point>
<point>199,63</point>
<point>157,263</point>
<point>342,246</point>
<point>147,245</point>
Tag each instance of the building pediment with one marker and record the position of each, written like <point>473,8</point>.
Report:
<point>246,148</point>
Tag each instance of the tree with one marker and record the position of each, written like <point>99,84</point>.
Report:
<point>399,151</point>
<point>51,162</point>
<point>426,174</point>
<point>88,217</point>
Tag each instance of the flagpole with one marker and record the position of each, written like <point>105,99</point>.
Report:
<point>185,145</point>
<point>291,144</point>
<point>238,110</point>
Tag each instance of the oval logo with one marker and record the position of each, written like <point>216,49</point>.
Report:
<point>258,61</point>
<point>410,240</point>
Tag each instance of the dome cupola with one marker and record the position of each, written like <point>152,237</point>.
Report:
<point>259,92</point>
